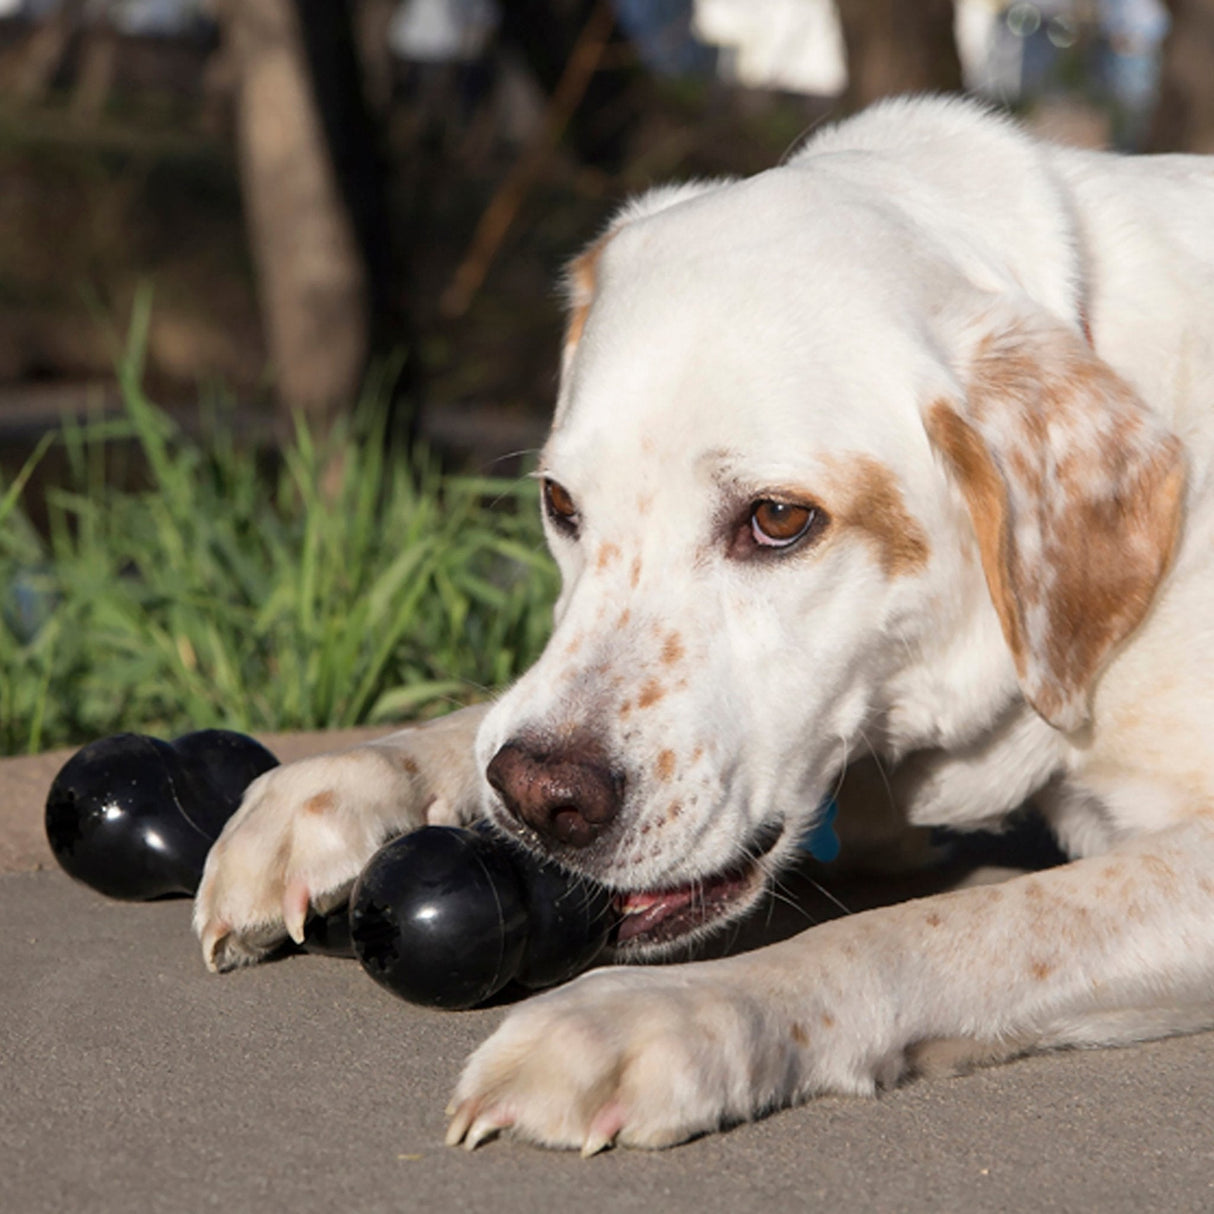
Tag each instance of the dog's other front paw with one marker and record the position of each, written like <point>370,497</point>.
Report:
<point>304,832</point>
<point>301,836</point>
<point>643,1058</point>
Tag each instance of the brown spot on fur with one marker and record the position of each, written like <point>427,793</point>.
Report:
<point>1162,871</point>
<point>625,708</point>
<point>578,316</point>
<point>672,650</point>
<point>1041,970</point>
<point>874,507</point>
<point>409,766</point>
<point>799,1035</point>
<point>644,503</point>
<point>322,803</point>
<point>634,576</point>
<point>673,811</point>
<point>934,920</point>
<point>986,497</point>
<point>582,279</point>
<point>665,765</point>
<point>625,616</point>
<point>607,554</point>
<point>1075,493</point>
<point>651,692</point>
<point>828,1021</point>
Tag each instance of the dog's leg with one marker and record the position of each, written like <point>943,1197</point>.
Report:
<point>305,830</point>
<point>1114,948</point>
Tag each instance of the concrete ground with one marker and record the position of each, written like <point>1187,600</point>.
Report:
<point>131,1080</point>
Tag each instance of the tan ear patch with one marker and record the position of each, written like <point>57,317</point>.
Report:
<point>1075,491</point>
<point>581,280</point>
<point>986,496</point>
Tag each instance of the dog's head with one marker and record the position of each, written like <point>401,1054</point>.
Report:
<point>812,491</point>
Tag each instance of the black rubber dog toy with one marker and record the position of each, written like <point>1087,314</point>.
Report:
<point>134,816</point>
<point>447,917</point>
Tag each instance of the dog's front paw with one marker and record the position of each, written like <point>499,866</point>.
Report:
<point>298,841</point>
<point>644,1058</point>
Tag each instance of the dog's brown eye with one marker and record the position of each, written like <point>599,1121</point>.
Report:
<point>560,506</point>
<point>779,524</point>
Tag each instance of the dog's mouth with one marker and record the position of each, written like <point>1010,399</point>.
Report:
<point>650,917</point>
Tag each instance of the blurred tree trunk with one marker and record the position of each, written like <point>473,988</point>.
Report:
<point>1184,115</point>
<point>95,77</point>
<point>45,51</point>
<point>545,33</point>
<point>898,46</point>
<point>312,278</point>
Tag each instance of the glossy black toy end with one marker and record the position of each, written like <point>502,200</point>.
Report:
<point>134,816</point>
<point>437,917</point>
<point>446,918</point>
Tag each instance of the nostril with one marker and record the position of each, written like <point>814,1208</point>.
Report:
<point>569,795</point>
<point>498,773</point>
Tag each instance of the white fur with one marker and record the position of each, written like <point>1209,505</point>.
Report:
<point>779,331</point>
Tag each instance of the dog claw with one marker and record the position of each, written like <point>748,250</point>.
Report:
<point>461,1118</point>
<point>595,1143</point>
<point>295,902</point>
<point>469,1127</point>
<point>483,1128</point>
<point>212,938</point>
<point>604,1129</point>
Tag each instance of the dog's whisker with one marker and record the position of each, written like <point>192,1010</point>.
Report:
<point>829,896</point>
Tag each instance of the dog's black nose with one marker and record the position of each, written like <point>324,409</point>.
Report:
<point>570,795</point>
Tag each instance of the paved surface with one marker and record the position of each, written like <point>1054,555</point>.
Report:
<point>131,1080</point>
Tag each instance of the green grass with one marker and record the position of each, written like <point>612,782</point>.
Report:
<point>224,594</point>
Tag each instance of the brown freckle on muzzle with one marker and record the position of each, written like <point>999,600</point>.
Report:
<point>321,803</point>
<point>672,650</point>
<point>607,554</point>
<point>651,692</point>
<point>665,765</point>
<point>635,576</point>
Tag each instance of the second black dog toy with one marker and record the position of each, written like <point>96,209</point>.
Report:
<point>134,816</point>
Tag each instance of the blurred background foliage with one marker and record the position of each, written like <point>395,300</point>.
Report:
<point>326,194</point>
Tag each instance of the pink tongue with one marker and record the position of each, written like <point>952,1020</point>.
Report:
<point>645,909</point>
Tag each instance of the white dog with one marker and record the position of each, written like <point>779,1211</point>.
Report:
<point>901,449</point>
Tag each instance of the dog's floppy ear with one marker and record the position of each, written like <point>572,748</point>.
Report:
<point>1075,491</point>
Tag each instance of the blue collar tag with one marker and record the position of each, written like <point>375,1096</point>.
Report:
<point>821,841</point>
